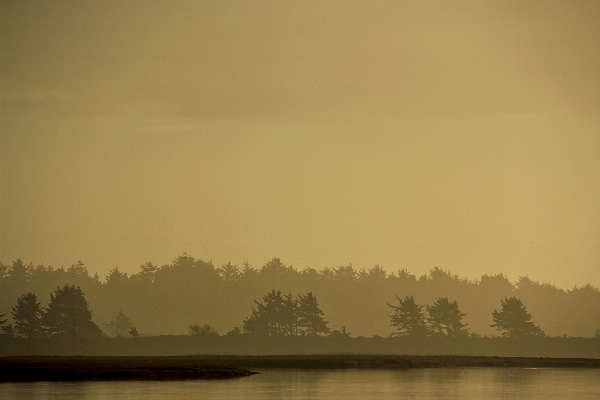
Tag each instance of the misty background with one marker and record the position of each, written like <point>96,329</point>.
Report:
<point>168,299</point>
<point>462,135</point>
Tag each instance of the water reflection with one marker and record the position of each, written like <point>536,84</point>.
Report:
<point>489,383</point>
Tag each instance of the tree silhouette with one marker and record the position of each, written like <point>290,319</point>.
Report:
<point>289,315</point>
<point>229,272</point>
<point>375,274</point>
<point>180,289</point>
<point>27,314</point>
<point>120,326</point>
<point>204,330</point>
<point>147,273</point>
<point>445,318</point>
<point>116,277</point>
<point>408,318</point>
<point>310,316</point>
<point>340,333</point>
<point>234,332</point>
<point>68,314</point>
<point>514,320</point>
<point>7,330</point>
<point>276,315</point>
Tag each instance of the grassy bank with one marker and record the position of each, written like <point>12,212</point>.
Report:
<point>554,347</point>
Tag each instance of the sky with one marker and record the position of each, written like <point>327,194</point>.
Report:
<point>409,134</point>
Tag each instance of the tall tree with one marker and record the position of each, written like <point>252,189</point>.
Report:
<point>120,326</point>
<point>445,318</point>
<point>514,320</point>
<point>408,318</point>
<point>27,314</point>
<point>116,278</point>
<point>274,316</point>
<point>147,273</point>
<point>16,281</point>
<point>229,272</point>
<point>68,314</point>
<point>310,316</point>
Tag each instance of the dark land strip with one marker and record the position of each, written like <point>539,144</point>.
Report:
<point>396,362</point>
<point>29,369</point>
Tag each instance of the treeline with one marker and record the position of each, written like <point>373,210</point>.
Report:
<point>278,315</point>
<point>67,315</point>
<point>168,299</point>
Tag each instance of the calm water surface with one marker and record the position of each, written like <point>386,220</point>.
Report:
<point>486,383</point>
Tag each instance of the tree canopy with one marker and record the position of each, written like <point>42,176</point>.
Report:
<point>120,326</point>
<point>408,318</point>
<point>283,315</point>
<point>514,320</point>
<point>6,330</point>
<point>27,314</point>
<point>68,314</point>
<point>445,318</point>
<point>205,330</point>
<point>166,298</point>
<point>276,315</point>
<point>310,316</point>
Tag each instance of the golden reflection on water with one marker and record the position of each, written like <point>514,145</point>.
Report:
<point>489,383</point>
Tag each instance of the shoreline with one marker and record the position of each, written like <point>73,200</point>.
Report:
<point>57,368</point>
<point>86,368</point>
<point>367,361</point>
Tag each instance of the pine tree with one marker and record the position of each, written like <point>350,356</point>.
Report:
<point>514,320</point>
<point>68,314</point>
<point>408,318</point>
<point>310,316</point>
<point>120,326</point>
<point>229,272</point>
<point>276,315</point>
<point>445,318</point>
<point>290,315</point>
<point>27,314</point>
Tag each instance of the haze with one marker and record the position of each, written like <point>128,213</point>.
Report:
<point>463,135</point>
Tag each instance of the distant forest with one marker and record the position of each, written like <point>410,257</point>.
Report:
<point>193,293</point>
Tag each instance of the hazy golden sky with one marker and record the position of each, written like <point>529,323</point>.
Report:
<point>464,135</point>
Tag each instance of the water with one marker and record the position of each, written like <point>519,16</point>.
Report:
<point>475,383</point>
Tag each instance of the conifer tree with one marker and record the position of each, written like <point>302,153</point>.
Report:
<point>68,314</point>
<point>445,318</point>
<point>513,319</point>
<point>276,315</point>
<point>27,314</point>
<point>120,326</point>
<point>310,316</point>
<point>229,272</point>
<point>408,318</point>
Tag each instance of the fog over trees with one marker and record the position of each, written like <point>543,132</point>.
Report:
<point>190,294</point>
<point>514,320</point>
<point>284,315</point>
